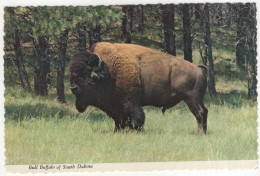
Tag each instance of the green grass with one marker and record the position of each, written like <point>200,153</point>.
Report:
<point>39,130</point>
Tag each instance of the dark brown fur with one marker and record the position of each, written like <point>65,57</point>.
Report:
<point>133,76</point>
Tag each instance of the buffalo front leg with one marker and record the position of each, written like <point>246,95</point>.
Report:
<point>137,118</point>
<point>120,124</point>
<point>135,114</point>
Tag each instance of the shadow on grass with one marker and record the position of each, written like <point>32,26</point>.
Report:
<point>46,111</point>
<point>38,110</point>
<point>38,107</point>
<point>228,71</point>
<point>235,99</point>
<point>153,131</point>
<point>198,134</point>
<point>96,115</point>
<point>30,105</point>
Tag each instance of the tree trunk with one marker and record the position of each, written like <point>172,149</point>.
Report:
<point>139,18</point>
<point>229,18</point>
<point>251,70</point>
<point>198,13</point>
<point>19,57</point>
<point>250,21</point>
<point>187,41</point>
<point>127,23</point>
<point>94,35</point>
<point>42,66</point>
<point>82,37</point>
<point>211,81</point>
<point>241,36</point>
<point>219,14</point>
<point>61,66</point>
<point>168,27</point>
<point>19,62</point>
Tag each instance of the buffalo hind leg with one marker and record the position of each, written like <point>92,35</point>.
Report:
<point>200,112</point>
<point>204,114</point>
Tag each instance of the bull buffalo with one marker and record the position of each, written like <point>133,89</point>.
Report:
<point>121,78</point>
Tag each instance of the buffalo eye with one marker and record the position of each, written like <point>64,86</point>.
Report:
<point>73,74</point>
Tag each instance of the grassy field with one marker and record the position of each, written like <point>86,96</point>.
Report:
<point>40,130</point>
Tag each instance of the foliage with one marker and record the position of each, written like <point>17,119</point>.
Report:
<point>50,21</point>
<point>48,28</point>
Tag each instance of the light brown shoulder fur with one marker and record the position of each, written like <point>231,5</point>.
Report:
<point>124,68</point>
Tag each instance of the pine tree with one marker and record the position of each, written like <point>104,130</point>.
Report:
<point>211,81</point>
<point>168,28</point>
<point>187,40</point>
<point>127,23</point>
<point>13,27</point>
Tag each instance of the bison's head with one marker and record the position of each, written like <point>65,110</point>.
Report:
<point>87,73</point>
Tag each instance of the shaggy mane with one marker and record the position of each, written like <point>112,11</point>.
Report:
<point>123,68</point>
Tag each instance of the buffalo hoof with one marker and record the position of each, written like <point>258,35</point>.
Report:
<point>202,131</point>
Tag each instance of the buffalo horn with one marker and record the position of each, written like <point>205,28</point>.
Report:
<point>73,86</point>
<point>98,68</point>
